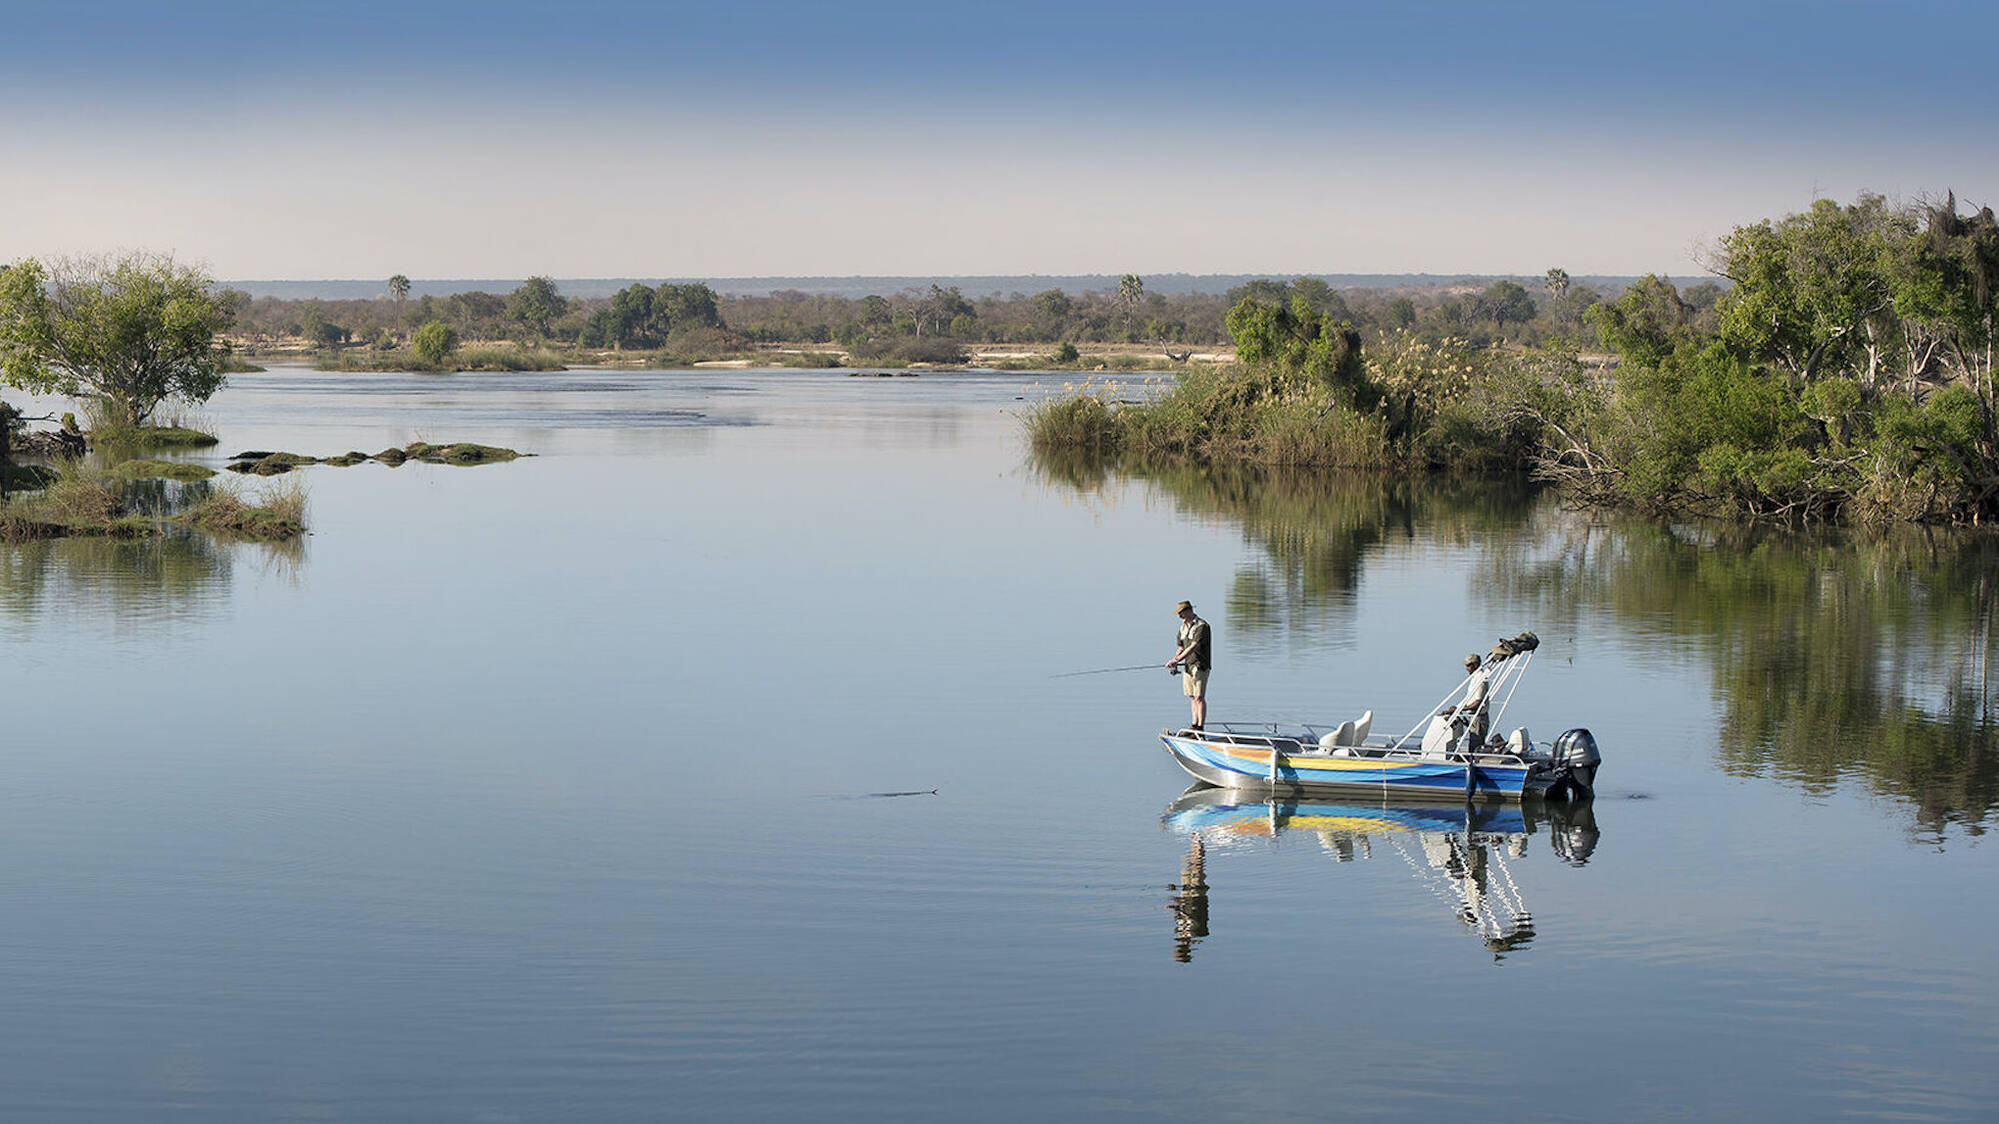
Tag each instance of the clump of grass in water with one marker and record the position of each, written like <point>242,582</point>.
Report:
<point>74,500</point>
<point>173,426</point>
<point>506,359</point>
<point>83,501</point>
<point>276,511</point>
<point>166,470</point>
<point>463,452</point>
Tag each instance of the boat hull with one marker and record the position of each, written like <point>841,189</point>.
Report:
<point>1239,766</point>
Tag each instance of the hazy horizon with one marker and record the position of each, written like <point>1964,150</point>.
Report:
<point>605,138</point>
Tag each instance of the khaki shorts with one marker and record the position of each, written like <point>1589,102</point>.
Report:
<point>1194,684</point>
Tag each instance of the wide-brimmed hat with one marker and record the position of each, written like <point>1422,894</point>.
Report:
<point>1182,607</point>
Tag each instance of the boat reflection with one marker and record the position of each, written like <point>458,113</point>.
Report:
<point>1462,853</point>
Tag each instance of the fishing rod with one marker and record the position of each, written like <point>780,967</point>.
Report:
<point>1108,670</point>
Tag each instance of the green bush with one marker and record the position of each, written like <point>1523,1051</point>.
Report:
<point>434,342</point>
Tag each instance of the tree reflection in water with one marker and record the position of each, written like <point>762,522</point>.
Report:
<point>174,575</point>
<point>1833,653</point>
<point>1318,530</point>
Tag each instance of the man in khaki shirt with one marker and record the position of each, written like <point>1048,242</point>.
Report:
<point>1478,693</point>
<point>1194,658</point>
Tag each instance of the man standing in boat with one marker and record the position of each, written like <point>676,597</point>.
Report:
<point>1193,659</point>
<point>1477,692</point>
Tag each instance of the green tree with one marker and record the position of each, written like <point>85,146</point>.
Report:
<point>1052,307</point>
<point>941,308</point>
<point>1321,297</point>
<point>1808,285</point>
<point>326,333</point>
<point>1260,289</point>
<point>1130,292</point>
<point>399,288</point>
<point>629,319</point>
<point>678,308</point>
<point>1503,303</point>
<point>1647,323</point>
<point>1946,286</point>
<point>536,305</point>
<point>129,330</point>
<point>1293,340</point>
<point>434,343</point>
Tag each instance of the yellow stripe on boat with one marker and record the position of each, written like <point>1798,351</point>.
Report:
<point>1302,763</point>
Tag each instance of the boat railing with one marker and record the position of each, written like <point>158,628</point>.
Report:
<point>1305,736</point>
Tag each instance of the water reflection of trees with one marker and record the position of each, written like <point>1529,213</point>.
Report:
<point>1834,653</point>
<point>1316,529</point>
<point>170,576</point>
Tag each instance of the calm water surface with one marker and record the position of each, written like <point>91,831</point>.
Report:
<point>542,791</point>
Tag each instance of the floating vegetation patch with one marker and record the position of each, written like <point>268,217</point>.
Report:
<point>152,437</point>
<point>261,462</point>
<point>277,513</point>
<point>161,470</point>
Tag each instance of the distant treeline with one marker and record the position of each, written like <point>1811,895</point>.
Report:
<point>934,324</point>
<point>1845,372</point>
<point>854,287</point>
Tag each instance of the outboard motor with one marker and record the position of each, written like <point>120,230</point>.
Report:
<point>1572,831</point>
<point>1575,753</point>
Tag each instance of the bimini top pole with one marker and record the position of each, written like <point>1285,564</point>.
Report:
<point>1517,672</point>
<point>1431,713</point>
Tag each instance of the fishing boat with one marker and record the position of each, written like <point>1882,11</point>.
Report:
<point>1448,759</point>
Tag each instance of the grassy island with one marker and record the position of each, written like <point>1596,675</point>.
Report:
<point>76,501</point>
<point>151,437</point>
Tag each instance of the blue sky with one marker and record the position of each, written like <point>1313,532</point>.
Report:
<point>621,138</point>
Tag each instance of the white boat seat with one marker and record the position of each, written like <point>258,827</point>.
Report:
<point>1361,726</point>
<point>1438,738</point>
<point>1517,742</point>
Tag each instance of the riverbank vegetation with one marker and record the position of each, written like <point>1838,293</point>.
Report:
<point>1844,372</point>
<point>685,324</point>
<point>1127,327</point>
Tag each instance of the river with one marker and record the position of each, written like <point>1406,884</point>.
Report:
<point>551,790</point>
